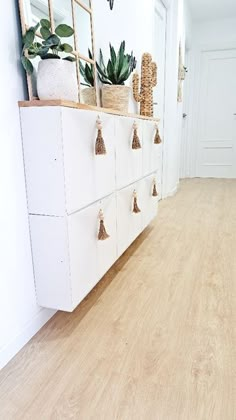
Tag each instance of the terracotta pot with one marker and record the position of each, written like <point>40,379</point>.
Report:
<point>116,97</point>
<point>56,79</point>
<point>89,96</point>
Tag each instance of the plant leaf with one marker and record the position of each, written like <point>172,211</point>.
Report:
<point>52,41</point>
<point>28,38</point>
<point>45,33</point>
<point>69,58</point>
<point>64,31</point>
<point>66,48</point>
<point>45,23</point>
<point>102,64</point>
<point>50,55</point>
<point>27,64</point>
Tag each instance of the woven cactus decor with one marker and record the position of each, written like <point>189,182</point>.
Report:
<point>148,82</point>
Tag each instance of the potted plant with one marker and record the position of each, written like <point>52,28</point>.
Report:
<point>87,72</point>
<point>115,94</point>
<point>56,76</point>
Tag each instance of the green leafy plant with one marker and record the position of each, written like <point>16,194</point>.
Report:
<point>119,67</point>
<point>87,72</point>
<point>50,47</point>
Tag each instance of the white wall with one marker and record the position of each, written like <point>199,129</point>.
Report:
<point>209,35</point>
<point>131,21</point>
<point>20,317</point>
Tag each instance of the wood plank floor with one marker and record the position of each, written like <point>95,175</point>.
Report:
<point>156,340</point>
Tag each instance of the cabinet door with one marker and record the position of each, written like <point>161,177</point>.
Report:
<point>88,177</point>
<point>82,231</point>
<point>107,250</point>
<point>90,258</point>
<point>148,202</point>
<point>151,151</point>
<point>43,159</point>
<point>128,160</point>
<point>129,224</point>
<point>51,262</point>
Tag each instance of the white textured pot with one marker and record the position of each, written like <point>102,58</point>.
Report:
<point>56,79</point>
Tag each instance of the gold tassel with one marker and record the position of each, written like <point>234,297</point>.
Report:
<point>136,208</point>
<point>157,139</point>
<point>102,234</point>
<point>154,191</point>
<point>136,142</point>
<point>100,148</point>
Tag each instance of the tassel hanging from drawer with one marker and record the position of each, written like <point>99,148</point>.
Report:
<point>136,208</point>
<point>154,191</point>
<point>102,234</point>
<point>157,139</point>
<point>100,148</point>
<point>136,142</point>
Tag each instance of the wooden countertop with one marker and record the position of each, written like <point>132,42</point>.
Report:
<point>68,104</point>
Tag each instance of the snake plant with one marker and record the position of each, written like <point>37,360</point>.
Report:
<point>87,72</point>
<point>119,67</point>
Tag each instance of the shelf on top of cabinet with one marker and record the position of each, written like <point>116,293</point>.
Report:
<point>69,104</point>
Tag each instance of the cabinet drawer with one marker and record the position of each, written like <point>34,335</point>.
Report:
<point>151,152</point>
<point>88,177</point>
<point>149,203</point>
<point>90,258</point>
<point>128,161</point>
<point>129,224</point>
<point>68,257</point>
<point>43,159</point>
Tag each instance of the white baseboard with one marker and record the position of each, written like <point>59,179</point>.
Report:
<point>170,193</point>
<point>14,346</point>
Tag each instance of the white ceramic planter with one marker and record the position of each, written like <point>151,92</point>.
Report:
<point>56,79</point>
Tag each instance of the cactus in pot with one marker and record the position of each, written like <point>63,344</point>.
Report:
<point>113,75</point>
<point>87,72</point>
<point>148,82</point>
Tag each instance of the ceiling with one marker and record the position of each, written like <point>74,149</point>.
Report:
<point>212,9</point>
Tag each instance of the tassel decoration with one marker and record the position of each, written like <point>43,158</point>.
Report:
<point>100,148</point>
<point>136,142</point>
<point>102,234</point>
<point>154,191</point>
<point>157,139</point>
<point>136,208</point>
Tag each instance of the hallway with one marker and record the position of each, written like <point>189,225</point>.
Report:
<point>156,339</point>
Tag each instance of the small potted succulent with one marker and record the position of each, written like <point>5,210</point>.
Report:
<point>56,75</point>
<point>115,94</point>
<point>87,72</point>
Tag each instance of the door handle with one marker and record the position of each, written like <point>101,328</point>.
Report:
<point>184,115</point>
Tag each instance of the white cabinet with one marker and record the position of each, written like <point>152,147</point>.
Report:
<point>129,162</point>
<point>68,185</point>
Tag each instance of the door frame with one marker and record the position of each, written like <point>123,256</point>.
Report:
<point>166,5</point>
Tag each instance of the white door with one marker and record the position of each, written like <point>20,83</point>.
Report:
<point>216,147</point>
